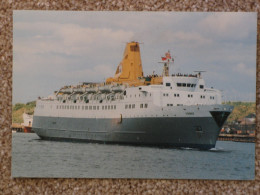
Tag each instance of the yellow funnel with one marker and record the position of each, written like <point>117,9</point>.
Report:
<point>130,68</point>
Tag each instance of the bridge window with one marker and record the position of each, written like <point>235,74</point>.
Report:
<point>168,84</point>
<point>188,85</point>
<point>178,84</point>
<point>201,86</point>
<point>184,84</point>
<point>146,105</point>
<point>141,105</point>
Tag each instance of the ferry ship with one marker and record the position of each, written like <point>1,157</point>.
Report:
<point>175,110</point>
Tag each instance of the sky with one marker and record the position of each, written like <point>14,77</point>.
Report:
<point>57,48</point>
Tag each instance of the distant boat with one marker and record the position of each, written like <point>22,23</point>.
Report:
<point>27,124</point>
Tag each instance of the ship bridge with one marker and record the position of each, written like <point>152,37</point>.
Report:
<point>184,83</point>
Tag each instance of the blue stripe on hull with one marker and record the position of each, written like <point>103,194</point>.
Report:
<point>171,132</point>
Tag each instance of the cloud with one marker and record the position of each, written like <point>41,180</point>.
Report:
<point>70,39</point>
<point>245,70</point>
<point>187,37</point>
<point>229,25</point>
<point>94,74</point>
<point>233,94</point>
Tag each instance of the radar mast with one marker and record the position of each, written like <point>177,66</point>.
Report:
<point>166,60</point>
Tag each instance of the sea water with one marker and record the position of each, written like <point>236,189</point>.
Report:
<point>33,157</point>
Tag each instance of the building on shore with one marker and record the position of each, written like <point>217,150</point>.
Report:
<point>243,126</point>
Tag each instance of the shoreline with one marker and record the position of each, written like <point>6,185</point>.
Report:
<point>236,138</point>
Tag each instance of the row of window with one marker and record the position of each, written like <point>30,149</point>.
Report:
<point>175,95</point>
<point>186,85</point>
<point>143,105</point>
<point>71,107</point>
<point>132,106</point>
<point>129,106</point>
<point>189,96</point>
<point>112,107</point>
<point>135,95</point>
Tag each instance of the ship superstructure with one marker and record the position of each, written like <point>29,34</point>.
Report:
<point>168,110</point>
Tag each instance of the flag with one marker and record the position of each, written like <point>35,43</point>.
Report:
<point>164,58</point>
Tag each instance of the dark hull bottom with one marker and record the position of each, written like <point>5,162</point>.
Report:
<point>200,132</point>
<point>161,145</point>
